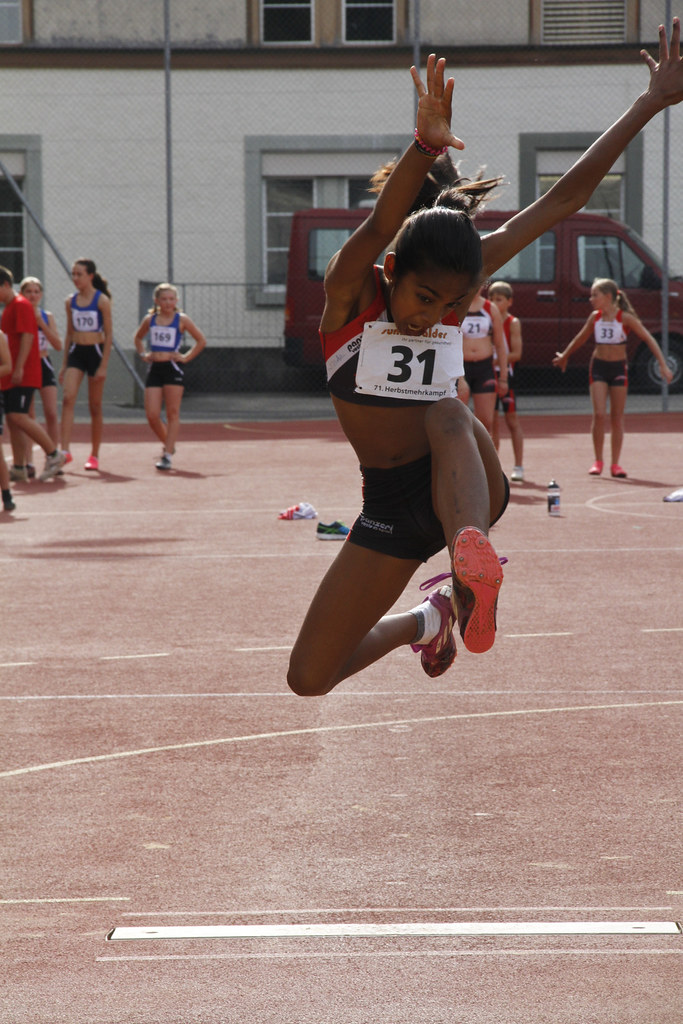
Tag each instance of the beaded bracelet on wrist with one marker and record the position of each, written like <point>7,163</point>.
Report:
<point>426,150</point>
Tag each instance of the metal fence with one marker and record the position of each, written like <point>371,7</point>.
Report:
<point>237,133</point>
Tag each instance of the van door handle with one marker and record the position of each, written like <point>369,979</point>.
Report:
<point>546,296</point>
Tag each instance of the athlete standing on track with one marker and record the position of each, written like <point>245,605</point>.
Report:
<point>87,347</point>
<point>165,325</point>
<point>612,318</point>
<point>393,354</point>
<point>48,336</point>
<point>482,339</point>
<point>19,323</point>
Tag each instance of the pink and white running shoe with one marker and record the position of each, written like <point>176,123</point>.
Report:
<point>439,654</point>
<point>303,510</point>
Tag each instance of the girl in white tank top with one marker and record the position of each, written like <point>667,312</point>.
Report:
<point>612,319</point>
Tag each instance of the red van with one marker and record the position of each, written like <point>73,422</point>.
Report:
<point>551,280</point>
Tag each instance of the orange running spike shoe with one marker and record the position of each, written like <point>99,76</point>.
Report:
<point>477,576</point>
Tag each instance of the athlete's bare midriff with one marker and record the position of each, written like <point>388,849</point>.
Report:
<point>86,338</point>
<point>474,349</point>
<point>163,357</point>
<point>383,437</point>
<point>610,353</point>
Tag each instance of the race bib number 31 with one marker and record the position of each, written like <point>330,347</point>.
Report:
<point>402,366</point>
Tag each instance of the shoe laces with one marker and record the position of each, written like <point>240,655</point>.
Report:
<point>428,584</point>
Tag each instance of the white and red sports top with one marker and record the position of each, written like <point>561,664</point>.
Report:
<point>410,373</point>
<point>609,332</point>
<point>478,324</point>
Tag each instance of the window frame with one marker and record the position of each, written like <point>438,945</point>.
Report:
<point>311,4</point>
<point>267,215</point>
<point>24,9</point>
<point>347,4</point>
<point>531,143</point>
<point>30,146</point>
<point>256,149</point>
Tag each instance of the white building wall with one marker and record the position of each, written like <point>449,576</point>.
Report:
<point>138,22</point>
<point>103,152</point>
<point>482,23</point>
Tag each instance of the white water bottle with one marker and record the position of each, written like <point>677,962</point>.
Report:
<point>553,498</point>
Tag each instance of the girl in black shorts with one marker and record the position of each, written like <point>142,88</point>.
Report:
<point>165,326</point>
<point>612,318</point>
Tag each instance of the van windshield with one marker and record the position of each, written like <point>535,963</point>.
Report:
<point>535,263</point>
<point>608,256</point>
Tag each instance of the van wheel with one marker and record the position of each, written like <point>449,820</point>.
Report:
<point>646,375</point>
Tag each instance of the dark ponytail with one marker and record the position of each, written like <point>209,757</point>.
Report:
<point>444,235</point>
<point>98,281</point>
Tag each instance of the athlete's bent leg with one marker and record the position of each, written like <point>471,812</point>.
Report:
<point>347,626</point>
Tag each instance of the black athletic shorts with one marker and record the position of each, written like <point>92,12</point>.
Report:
<point>614,373</point>
<point>480,375</point>
<point>47,369</point>
<point>165,372</point>
<point>86,358</point>
<point>18,399</point>
<point>398,517</point>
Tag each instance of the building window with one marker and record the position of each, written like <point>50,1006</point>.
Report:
<point>286,173</point>
<point>11,21</point>
<point>287,21</point>
<point>544,157</point>
<point>369,22</point>
<point>12,229</point>
<point>283,197</point>
<point>608,198</point>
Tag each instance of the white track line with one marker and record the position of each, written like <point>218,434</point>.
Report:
<point>388,910</point>
<point>319,730</point>
<point>401,954</point>
<point>67,899</point>
<point>595,504</point>
<point>133,657</point>
<point>524,636</point>
<point>405,697</point>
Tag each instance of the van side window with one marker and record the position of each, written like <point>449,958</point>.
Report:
<point>322,245</point>
<point>535,263</point>
<point>609,256</point>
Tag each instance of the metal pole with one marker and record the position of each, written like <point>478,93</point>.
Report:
<point>169,166</point>
<point>666,161</point>
<point>416,46</point>
<point>67,266</point>
<point>25,203</point>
